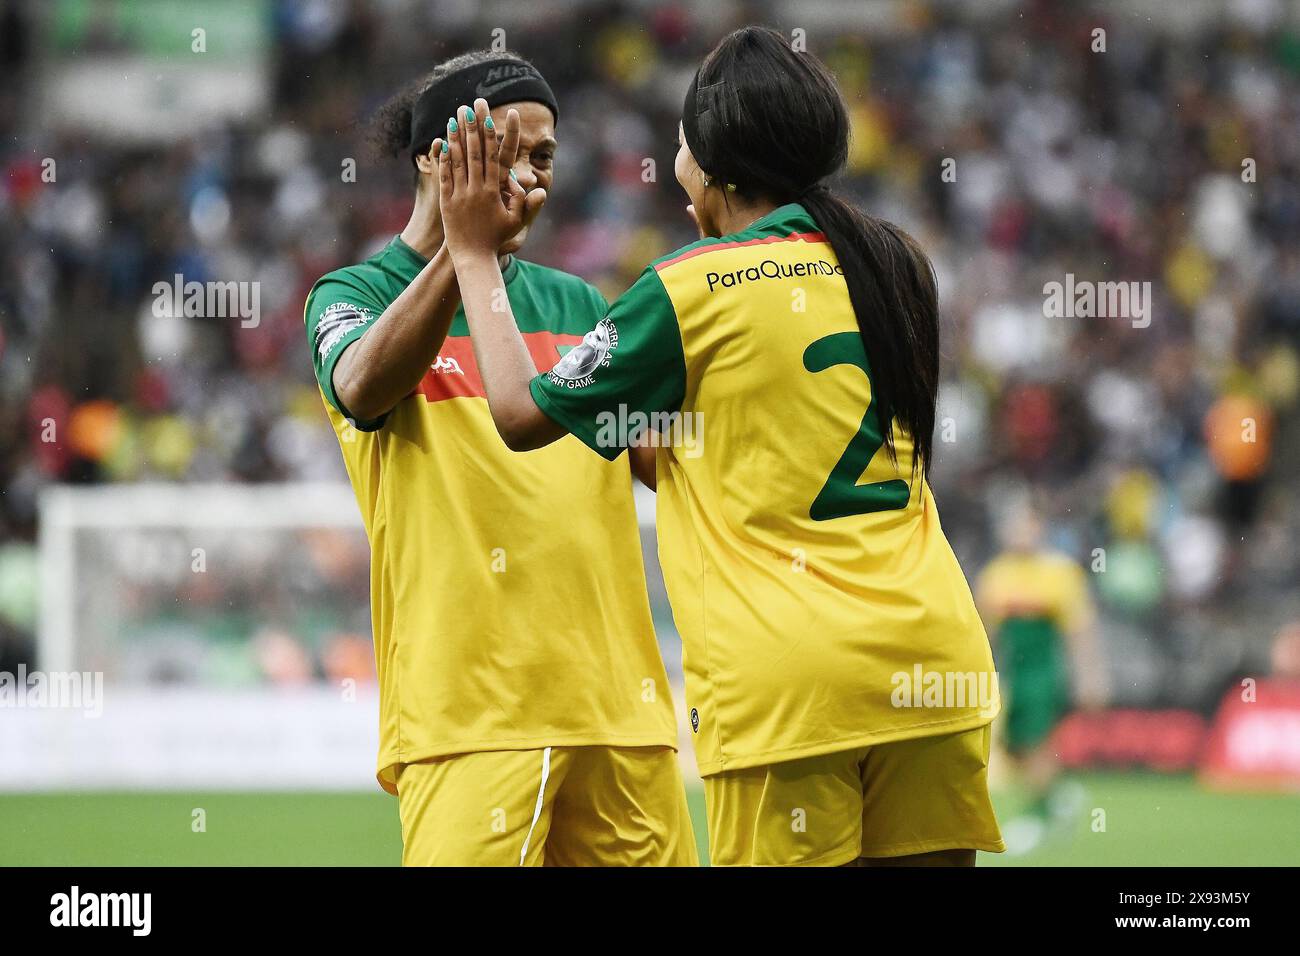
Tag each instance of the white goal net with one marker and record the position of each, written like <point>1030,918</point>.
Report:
<point>210,636</point>
<point>198,635</point>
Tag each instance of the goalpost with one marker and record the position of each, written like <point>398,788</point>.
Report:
<point>147,525</point>
<point>221,632</point>
<point>228,626</point>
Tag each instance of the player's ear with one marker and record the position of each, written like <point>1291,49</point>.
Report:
<point>428,173</point>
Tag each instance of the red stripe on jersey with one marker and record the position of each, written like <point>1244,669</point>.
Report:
<point>714,247</point>
<point>455,374</point>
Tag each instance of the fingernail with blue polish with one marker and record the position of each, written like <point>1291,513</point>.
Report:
<point>444,146</point>
<point>513,176</point>
<point>487,123</point>
<point>469,116</point>
<point>451,125</point>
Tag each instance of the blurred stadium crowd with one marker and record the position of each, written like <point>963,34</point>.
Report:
<point>1171,158</point>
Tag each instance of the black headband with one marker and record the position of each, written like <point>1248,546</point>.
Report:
<point>698,102</point>
<point>500,80</point>
<point>705,101</point>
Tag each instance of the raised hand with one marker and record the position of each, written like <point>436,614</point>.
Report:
<point>482,204</point>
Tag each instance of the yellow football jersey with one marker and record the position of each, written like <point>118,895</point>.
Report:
<point>508,597</point>
<point>1039,585</point>
<point>808,575</point>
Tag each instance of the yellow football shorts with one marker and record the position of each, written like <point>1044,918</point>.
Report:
<point>562,806</point>
<point>893,799</point>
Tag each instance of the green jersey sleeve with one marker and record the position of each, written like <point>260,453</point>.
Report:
<point>599,302</point>
<point>628,372</point>
<point>338,313</point>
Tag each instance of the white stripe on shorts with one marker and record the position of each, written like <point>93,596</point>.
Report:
<point>537,810</point>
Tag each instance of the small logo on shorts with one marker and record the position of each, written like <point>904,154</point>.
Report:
<point>695,720</point>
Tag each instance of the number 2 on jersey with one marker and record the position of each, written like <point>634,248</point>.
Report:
<point>842,496</point>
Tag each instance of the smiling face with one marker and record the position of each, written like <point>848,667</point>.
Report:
<point>534,166</point>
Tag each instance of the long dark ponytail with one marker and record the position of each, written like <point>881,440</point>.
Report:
<point>771,122</point>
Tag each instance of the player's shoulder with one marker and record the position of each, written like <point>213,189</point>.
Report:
<point>1058,563</point>
<point>785,222</point>
<point>352,285</point>
<point>998,565</point>
<point>383,261</point>
<point>552,300</point>
<point>1049,558</point>
<point>1055,557</point>
<point>344,276</point>
<point>688,251</point>
<point>557,280</point>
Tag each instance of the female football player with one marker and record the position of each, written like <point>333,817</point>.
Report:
<point>839,681</point>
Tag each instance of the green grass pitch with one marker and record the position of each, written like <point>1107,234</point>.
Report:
<point>1149,820</point>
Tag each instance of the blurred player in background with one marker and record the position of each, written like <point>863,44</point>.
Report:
<point>525,715</point>
<point>809,451</point>
<point>1040,616</point>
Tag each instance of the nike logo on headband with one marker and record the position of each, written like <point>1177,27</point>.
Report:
<point>487,86</point>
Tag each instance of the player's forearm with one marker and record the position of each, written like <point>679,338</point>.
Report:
<point>642,459</point>
<point>502,357</point>
<point>384,365</point>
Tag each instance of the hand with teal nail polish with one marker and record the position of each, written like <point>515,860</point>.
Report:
<point>482,203</point>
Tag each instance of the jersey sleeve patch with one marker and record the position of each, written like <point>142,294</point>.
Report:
<point>336,321</point>
<point>626,369</point>
<point>338,313</point>
<point>577,367</point>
